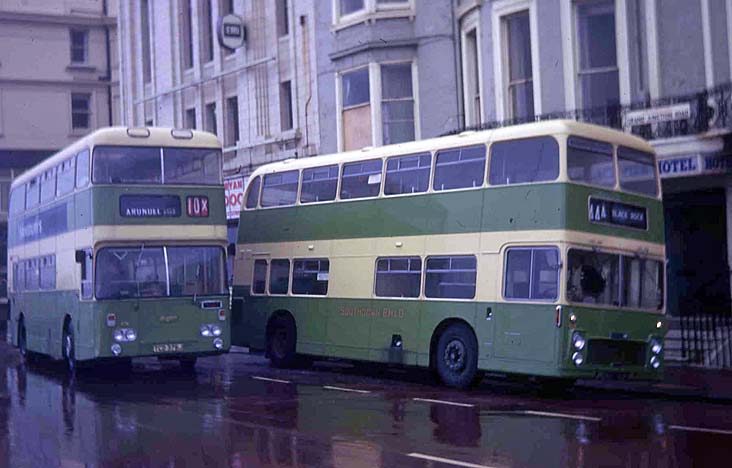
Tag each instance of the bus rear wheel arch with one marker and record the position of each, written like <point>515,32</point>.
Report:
<point>281,339</point>
<point>454,354</point>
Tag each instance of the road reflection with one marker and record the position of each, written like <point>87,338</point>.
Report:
<point>160,416</point>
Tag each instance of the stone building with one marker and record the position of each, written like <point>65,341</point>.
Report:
<point>58,82</point>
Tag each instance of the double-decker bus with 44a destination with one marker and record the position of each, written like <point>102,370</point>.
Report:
<point>117,249</point>
<point>535,249</point>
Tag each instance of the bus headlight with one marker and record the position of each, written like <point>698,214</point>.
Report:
<point>656,346</point>
<point>205,330</point>
<point>122,335</point>
<point>655,362</point>
<point>218,343</point>
<point>210,329</point>
<point>116,349</point>
<point>215,330</point>
<point>578,341</point>
<point>578,359</point>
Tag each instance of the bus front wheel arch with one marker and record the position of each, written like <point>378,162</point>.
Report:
<point>454,354</point>
<point>281,340</point>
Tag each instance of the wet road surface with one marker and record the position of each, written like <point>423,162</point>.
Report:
<point>236,411</point>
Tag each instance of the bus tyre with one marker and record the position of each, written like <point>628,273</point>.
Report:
<point>281,341</point>
<point>456,356</point>
<point>188,364</point>
<point>69,349</point>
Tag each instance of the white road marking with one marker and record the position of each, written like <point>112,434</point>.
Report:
<point>561,415</point>
<point>446,460</point>
<point>267,379</point>
<point>343,389</point>
<point>443,402</point>
<point>701,429</point>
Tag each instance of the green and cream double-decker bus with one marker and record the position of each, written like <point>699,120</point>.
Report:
<point>117,249</point>
<point>536,249</point>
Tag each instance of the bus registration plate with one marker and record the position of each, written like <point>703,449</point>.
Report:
<point>167,348</point>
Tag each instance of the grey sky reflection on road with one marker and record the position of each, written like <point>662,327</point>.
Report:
<point>223,417</point>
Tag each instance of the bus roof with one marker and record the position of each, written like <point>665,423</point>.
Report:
<point>122,136</point>
<point>549,127</point>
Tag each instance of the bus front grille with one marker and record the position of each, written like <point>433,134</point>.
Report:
<point>616,353</point>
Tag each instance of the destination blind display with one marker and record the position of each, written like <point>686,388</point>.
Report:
<point>149,206</point>
<point>617,214</point>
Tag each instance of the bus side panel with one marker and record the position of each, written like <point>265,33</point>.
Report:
<point>525,333</point>
<point>523,207</point>
<point>435,312</point>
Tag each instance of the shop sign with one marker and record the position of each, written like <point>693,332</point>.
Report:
<point>234,193</point>
<point>657,115</point>
<point>680,167</point>
<point>717,164</point>
<point>617,214</point>
<point>231,31</point>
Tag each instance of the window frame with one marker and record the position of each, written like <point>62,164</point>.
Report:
<point>553,137</point>
<point>289,276</point>
<point>372,9</point>
<point>532,249</point>
<point>409,258</point>
<point>450,256</point>
<point>613,154</point>
<point>84,47</point>
<point>502,9</point>
<point>88,112</point>
<point>437,152</point>
<point>307,259</point>
<point>375,101</point>
<point>418,155</point>
<point>469,25</point>
<point>342,168</point>
<point>263,186</point>
<point>266,277</point>
<point>313,168</point>
<point>568,20</point>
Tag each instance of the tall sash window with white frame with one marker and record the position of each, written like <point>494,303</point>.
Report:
<point>517,33</point>
<point>597,70</point>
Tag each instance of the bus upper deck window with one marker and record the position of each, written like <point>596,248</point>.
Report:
<point>361,179</point>
<point>126,165</point>
<point>523,161</point>
<point>459,168</point>
<point>82,169</point>
<point>319,184</point>
<point>200,166</point>
<point>407,174</point>
<point>280,189</point>
<point>637,171</point>
<point>253,193</point>
<point>590,161</point>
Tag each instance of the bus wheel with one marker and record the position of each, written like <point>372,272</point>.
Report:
<point>457,356</point>
<point>22,344</point>
<point>69,350</point>
<point>281,341</point>
<point>188,364</point>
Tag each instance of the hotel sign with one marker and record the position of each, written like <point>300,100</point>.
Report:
<point>694,165</point>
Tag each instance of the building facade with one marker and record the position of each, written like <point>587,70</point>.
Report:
<point>322,76</point>
<point>58,82</point>
<point>259,98</point>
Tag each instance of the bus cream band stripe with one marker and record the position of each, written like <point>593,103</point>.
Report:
<point>354,258</point>
<point>64,245</point>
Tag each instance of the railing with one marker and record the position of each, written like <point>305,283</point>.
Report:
<point>706,111</point>
<point>706,340</point>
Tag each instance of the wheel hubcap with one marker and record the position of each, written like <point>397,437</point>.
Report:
<point>454,355</point>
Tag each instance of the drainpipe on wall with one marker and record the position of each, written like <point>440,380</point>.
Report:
<point>458,67</point>
<point>108,76</point>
